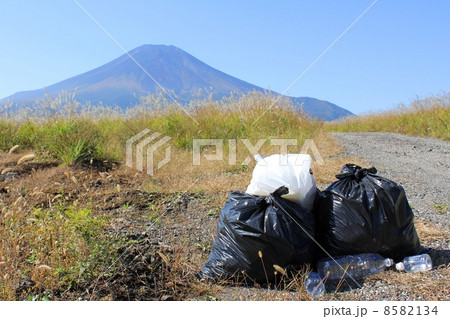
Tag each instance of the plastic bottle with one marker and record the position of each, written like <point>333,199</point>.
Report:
<point>355,267</point>
<point>314,285</point>
<point>415,263</point>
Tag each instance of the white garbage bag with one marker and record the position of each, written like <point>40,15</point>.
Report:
<point>290,170</point>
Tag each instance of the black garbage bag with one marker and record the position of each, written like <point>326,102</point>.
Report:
<point>366,213</point>
<point>280,229</point>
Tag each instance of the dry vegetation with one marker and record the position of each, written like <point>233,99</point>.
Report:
<point>427,117</point>
<point>75,222</point>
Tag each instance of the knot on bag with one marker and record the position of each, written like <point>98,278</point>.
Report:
<point>280,191</point>
<point>355,171</point>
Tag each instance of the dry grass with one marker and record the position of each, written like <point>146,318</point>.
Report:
<point>219,176</point>
<point>47,239</point>
<point>427,117</point>
<point>428,232</point>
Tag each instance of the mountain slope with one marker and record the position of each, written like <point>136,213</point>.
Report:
<point>320,109</point>
<point>122,82</point>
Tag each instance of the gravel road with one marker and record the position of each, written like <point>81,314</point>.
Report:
<point>420,165</point>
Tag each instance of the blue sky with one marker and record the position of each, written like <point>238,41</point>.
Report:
<point>397,51</point>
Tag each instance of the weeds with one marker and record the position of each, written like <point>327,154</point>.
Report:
<point>442,209</point>
<point>428,117</point>
<point>72,141</point>
<point>53,248</point>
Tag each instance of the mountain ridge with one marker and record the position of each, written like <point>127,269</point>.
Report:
<point>123,82</point>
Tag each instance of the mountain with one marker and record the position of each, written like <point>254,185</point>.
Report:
<point>320,109</point>
<point>123,82</point>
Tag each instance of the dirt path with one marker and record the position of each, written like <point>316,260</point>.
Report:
<point>420,165</point>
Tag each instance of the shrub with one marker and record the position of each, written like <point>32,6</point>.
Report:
<point>72,141</point>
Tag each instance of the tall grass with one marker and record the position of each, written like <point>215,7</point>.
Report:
<point>75,133</point>
<point>427,117</point>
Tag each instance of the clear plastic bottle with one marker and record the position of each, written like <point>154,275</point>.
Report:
<point>314,285</point>
<point>352,266</point>
<point>415,263</point>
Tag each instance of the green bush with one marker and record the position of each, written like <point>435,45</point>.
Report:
<point>72,141</point>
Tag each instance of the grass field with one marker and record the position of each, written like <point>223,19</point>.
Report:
<point>427,117</point>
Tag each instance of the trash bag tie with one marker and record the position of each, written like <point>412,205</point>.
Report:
<point>355,171</point>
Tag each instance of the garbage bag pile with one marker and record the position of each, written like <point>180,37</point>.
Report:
<point>283,219</point>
